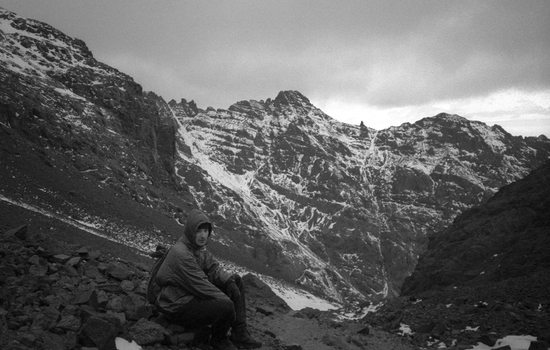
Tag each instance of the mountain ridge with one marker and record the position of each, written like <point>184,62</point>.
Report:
<point>343,210</point>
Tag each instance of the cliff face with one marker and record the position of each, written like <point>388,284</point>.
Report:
<point>59,97</point>
<point>341,209</point>
<point>505,238</point>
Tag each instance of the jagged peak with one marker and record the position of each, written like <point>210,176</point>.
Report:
<point>447,116</point>
<point>189,108</point>
<point>32,28</point>
<point>290,97</point>
<point>441,119</point>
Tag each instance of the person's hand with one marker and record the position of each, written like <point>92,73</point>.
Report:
<point>232,290</point>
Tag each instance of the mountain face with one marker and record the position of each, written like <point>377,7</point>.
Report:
<point>61,97</point>
<point>340,209</point>
<point>505,238</point>
<point>489,271</point>
<point>349,206</point>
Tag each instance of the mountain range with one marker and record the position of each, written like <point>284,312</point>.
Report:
<point>341,210</point>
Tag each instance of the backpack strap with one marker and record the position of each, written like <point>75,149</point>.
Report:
<point>153,289</point>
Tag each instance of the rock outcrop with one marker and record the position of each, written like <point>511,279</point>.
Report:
<point>505,238</point>
<point>486,276</point>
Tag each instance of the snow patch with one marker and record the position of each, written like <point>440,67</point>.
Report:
<point>405,329</point>
<point>123,344</point>
<point>69,93</point>
<point>516,342</point>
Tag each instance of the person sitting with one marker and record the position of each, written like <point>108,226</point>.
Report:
<point>192,289</point>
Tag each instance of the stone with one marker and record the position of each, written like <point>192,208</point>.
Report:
<point>119,271</point>
<point>100,332</point>
<point>265,310</point>
<point>71,271</point>
<point>335,342</point>
<point>88,297</point>
<point>120,316</point>
<point>83,252</point>
<point>53,341</point>
<point>102,299</point>
<point>141,288</point>
<point>426,327</point>
<point>70,339</point>
<point>142,311</point>
<point>94,255</point>
<point>102,267</point>
<point>115,304</point>
<point>20,232</point>
<point>6,272</point>
<point>93,273</point>
<point>292,347</point>
<point>182,338</point>
<point>488,339</point>
<point>53,301</point>
<point>74,261</point>
<point>364,331</point>
<point>357,341</point>
<point>38,270</point>
<point>146,332</point>
<point>34,260</point>
<point>127,285</point>
<point>46,319</point>
<point>111,287</point>
<point>28,339</point>
<point>60,258</point>
<point>69,323</point>
<point>308,313</point>
<point>70,309</point>
<point>538,345</point>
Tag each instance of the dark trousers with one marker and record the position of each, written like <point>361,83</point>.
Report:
<point>221,314</point>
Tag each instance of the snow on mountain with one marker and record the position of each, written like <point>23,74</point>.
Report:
<point>350,206</point>
<point>339,209</point>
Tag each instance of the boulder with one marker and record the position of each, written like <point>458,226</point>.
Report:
<point>100,332</point>
<point>20,232</point>
<point>60,258</point>
<point>69,323</point>
<point>119,271</point>
<point>146,332</point>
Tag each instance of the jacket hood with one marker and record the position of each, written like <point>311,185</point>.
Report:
<point>194,220</point>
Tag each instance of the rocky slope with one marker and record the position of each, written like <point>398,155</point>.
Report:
<point>487,275</point>
<point>503,239</point>
<point>340,209</point>
<point>348,207</point>
<point>57,296</point>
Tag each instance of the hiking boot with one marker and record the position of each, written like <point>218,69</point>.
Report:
<point>243,340</point>
<point>222,344</point>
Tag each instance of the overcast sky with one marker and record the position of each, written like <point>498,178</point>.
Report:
<point>380,62</point>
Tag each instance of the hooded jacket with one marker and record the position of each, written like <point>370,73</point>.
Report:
<point>189,271</point>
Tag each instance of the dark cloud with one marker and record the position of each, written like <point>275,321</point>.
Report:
<point>381,53</point>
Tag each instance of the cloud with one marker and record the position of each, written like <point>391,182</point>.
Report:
<point>375,55</point>
<point>519,112</point>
